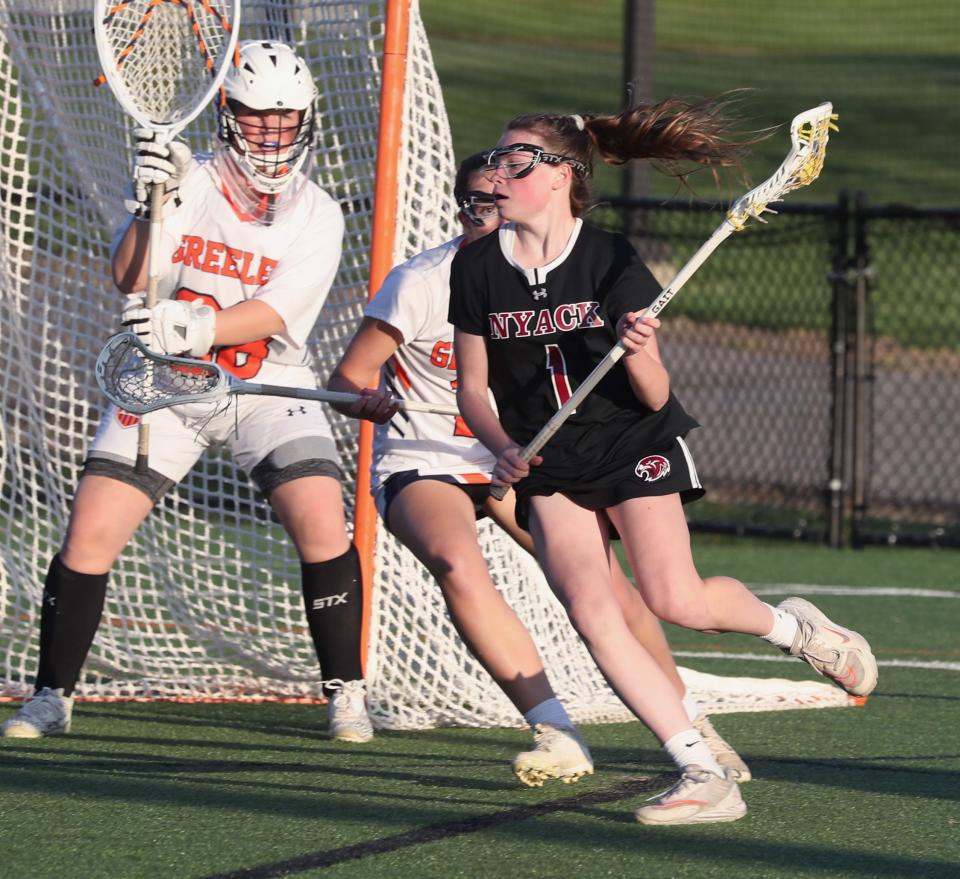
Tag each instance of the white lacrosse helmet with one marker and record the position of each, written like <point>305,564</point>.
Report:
<point>269,76</point>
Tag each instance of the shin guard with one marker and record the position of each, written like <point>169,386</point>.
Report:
<point>333,599</point>
<point>69,617</point>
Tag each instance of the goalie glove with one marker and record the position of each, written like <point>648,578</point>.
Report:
<point>156,163</point>
<point>172,326</point>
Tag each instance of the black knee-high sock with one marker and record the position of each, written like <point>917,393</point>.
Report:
<point>333,598</point>
<point>72,606</point>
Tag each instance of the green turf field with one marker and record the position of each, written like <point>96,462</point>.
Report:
<point>164,790</point>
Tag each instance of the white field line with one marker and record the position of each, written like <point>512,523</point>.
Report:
<point>892,591</point>
<point>765,657</point>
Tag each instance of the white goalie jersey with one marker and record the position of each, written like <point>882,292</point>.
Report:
<point>414,299</point>
<point>215,253</point>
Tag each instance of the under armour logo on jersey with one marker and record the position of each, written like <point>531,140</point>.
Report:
<point>652,468</point>
<point>538,289</point>
<point>49,599</point>
<point>329,601</point>
<point>299,410</point>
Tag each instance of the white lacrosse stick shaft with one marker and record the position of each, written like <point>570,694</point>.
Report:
<point>800,167</point>
<point>153,282</point>
<point>122,31</point>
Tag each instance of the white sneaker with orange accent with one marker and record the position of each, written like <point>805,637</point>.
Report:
<point>699,797</point>
<point>837,653</point>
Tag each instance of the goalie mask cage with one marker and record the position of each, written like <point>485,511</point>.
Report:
<point>204,603</point>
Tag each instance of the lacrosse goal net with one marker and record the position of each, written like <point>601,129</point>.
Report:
<point>204,603</point>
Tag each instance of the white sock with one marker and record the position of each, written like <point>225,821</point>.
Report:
<point>691,706</point>
<point>688,748</point>
<point>549,711</point>
<point>785,628</point>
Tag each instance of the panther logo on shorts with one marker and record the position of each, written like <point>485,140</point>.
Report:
<point>652,468</point>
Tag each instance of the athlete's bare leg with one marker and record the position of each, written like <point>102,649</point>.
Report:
<point>573,548</point>
<point>436,521</point>
<point>657,541</point>
<point>311,511</point>
<point>104,516</point>
<point>640,620</point>
<point>643,623</point>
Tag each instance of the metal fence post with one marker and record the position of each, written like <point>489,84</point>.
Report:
<point>862,408</point>
<point>840,281</point>
<point>639,44</point>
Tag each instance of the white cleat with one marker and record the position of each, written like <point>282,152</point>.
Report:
<point>558,752</point>
<point>46,713</point>
<point>721,749</point>
<point>837,653</point>
<point>699,797</point>
<point>348,720</point>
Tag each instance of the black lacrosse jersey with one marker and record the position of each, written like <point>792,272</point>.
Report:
<point>546,329</point>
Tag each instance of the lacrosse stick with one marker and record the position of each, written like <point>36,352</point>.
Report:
<point>139,381</point>
<point>163,60</point>
<point>808,135</point>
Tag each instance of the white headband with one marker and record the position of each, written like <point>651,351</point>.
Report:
<point>578,120</point>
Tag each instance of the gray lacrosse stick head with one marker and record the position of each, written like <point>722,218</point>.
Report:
<point>140,381</point>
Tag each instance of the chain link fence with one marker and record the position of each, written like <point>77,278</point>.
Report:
<point>904,345</point>
<point>821,354</point>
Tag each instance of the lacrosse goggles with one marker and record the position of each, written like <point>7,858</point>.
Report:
<point>478,206</point>
<point>517,160</point>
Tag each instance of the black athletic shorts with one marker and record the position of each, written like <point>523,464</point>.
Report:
<point>478,492</point>
<point>657,472</point>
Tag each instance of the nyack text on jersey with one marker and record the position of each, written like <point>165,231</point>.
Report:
<point>545,321</point>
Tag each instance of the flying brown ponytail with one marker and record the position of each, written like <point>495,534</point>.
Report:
<point>677,135</point>
<point>672,131</point>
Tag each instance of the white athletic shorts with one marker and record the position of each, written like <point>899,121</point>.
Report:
<point>273,439</point>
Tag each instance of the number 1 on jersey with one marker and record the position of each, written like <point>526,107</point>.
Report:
<point>557,367</point>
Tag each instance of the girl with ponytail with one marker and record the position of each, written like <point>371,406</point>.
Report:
<point>535,307</point>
